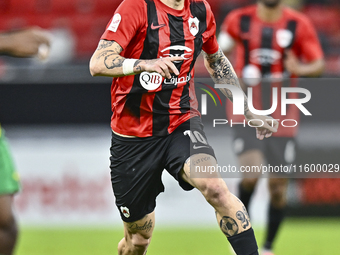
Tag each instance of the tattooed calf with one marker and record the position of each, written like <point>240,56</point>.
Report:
<point>228,226</point>
<point>243,217</point>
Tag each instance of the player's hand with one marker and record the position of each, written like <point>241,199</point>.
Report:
<point>265,125</point>
<point>292,63</point>
<point>27,43</point>
<point>163,66</point>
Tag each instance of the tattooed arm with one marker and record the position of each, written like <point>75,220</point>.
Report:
<point>222,72</point>
<point>107,61</point>
<point>25,43</point>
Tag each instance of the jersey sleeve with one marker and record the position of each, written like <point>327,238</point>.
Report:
<point>230,25</point>
<point>129,17</point>
<point>210,44</point>
<point>308,41</point>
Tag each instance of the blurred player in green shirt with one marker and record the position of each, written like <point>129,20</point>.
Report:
<point>20,43</point>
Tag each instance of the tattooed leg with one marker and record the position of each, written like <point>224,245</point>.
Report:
<point>230,212</point>
<point>235,222</point>
<point>137,236</point>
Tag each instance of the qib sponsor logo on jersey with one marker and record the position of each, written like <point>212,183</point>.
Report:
<point>265,56</point>
<point>150,81</point>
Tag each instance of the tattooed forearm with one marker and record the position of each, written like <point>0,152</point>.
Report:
<point>104,44</point>
<point>117,48</point>
<point>106,60</point>
<point>137,67</point>
<point>105,53</point>
<point>113,60</point>
<point>134,227</point>
<point>222,72</point>
<point>228,226</point>
<point>110,57</point>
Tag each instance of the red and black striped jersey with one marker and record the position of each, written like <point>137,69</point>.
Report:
<point>147,104</point>
<point>260,53</point>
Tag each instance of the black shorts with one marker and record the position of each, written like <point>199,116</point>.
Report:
<point>137,165</point>
<point>276,150</point>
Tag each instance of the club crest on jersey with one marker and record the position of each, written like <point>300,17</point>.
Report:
<point>194,25</point>
<point>284,37</point>
<point>125,211</point>
<point>115,22</point>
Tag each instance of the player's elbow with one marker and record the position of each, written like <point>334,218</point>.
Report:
<point>94,71</point>
<point>321,65</point>
<point>95,68</point>
<point>318,68</point>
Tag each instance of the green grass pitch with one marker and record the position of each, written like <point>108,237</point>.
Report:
<point>313,236</point>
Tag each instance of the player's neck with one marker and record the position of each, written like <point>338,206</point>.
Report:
<point>269,14</point>
<point>174,4</point>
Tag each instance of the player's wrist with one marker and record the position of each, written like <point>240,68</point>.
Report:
<point>140,66</point>
<point>249,115</point>
<point>302,70</point>
<point>5,45</point>
<point>128,66</point>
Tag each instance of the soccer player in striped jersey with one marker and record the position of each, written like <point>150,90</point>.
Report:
<point>21,43</point>
<point>150,48</point>
<point>274,44</point>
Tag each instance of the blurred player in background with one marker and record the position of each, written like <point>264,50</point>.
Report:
<point>273,43</point>
<point>150,47</point>
<point>30,42</point>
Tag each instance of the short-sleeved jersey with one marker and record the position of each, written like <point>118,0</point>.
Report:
<point>147,104</point>
<point>260,53</point>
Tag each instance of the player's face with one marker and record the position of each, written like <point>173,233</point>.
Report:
<point>270,3</point>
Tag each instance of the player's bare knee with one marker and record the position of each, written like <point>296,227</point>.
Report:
<point>121,246</point>
<point>140,242</point>
<point>215,191</point>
